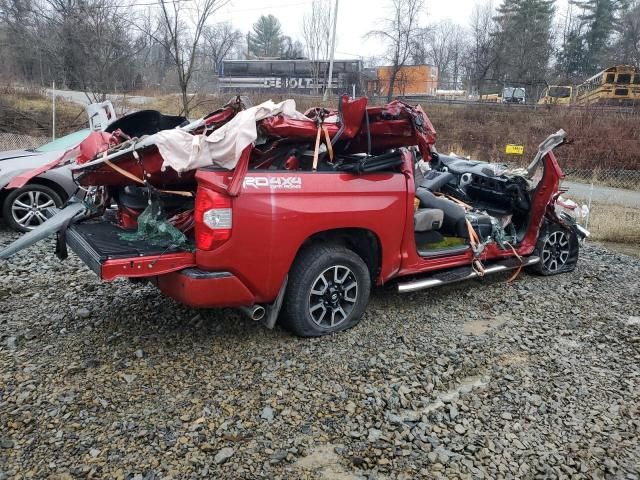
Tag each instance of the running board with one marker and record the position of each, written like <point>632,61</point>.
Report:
<point>463,273</point>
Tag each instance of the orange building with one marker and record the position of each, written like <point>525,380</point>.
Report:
<point>410,80</point>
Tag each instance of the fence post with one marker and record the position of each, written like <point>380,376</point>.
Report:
<point>586,223</point>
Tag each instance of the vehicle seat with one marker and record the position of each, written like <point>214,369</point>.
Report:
<point>426,223</point>
<point>453,221</point>
<point>455,216</point>
<point>427,219</point>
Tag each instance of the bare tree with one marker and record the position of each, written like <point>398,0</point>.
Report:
<point>181,27</point>
<point>419,44</point>
<point>627,48</point>
<point>439,51</point>
<point>398,32</point>
<point>442,45</point>
<point>291,49</point>
<point>86,45</point>
<point>316,32</point>
<point>219,41</point>
<point>459,45</point>
<point>482,53</point>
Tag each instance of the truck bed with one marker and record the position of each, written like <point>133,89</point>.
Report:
<point>98,243</point>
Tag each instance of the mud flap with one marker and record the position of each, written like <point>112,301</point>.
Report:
<point>61,241</point>
<point>581,231</point>
<point>273,310</point>
<point>59,221</point>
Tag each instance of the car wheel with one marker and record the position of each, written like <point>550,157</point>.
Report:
<point>328,291</point>
<point>25,208</point>
<point>558,249</point>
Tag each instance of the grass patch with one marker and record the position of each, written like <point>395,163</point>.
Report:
<point>29,112</point>
<point>601,139</point>
<point>612,223</point>
<point>615,223</point>
<point>446,242</point>
<point>201,104</point>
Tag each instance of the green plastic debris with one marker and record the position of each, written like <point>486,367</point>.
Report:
<point>154,228</point>
<point>503,236</point>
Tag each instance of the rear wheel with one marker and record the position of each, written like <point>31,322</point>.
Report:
<point>558,249</point>
<point>25,208</point>
<point>328,291</point>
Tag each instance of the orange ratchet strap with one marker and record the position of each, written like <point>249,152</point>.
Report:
<point>316,150</point>
<point>327,140</point>
<point>131,176</point>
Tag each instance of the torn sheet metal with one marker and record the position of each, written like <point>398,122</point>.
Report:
<point>549,143</point>
<point>169,158</point>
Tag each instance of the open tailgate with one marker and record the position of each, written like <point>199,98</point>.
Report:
<point>100,246</point>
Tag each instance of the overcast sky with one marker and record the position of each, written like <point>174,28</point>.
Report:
<point>355,18</point>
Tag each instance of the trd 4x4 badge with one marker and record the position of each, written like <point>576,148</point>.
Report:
<point>275,183</point>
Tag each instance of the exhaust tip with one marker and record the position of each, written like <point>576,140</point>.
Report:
<point>258,312</point>
<point>255,312</point>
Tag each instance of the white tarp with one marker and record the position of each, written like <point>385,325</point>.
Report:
<point>183,151</point>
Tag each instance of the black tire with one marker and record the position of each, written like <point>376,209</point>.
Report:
<point>558,248</point>
<point>343,303</point>
<point>40,197</point>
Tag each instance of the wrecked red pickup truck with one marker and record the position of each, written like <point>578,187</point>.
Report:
<point>296,216</point>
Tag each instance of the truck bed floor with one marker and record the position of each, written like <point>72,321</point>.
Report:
<point>97,242</point>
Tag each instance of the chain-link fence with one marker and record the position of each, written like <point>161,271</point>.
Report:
<point>13,141</point>
<point>627,179</point>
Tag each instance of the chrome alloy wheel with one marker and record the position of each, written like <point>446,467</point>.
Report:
<point>28,210</point>
<point>555,251</point>
<point>333,296</point>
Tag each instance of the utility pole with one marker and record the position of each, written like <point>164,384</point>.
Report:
<point>327,90</point>
<point>53,109</point>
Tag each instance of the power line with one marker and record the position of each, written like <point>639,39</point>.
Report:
<point>276,7</point>
<point>157,4</point>
<point>359,55</point>
<point>98,7</point>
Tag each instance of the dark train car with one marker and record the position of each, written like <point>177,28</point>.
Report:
<point>290,76</point>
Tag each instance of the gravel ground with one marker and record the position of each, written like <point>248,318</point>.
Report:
<point>535,379</point>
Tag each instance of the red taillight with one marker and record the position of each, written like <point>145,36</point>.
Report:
<point>213,217</point>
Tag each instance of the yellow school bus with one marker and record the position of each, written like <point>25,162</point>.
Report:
<point>557,95</point>
<point>619,85</point>
<point>491,98</point>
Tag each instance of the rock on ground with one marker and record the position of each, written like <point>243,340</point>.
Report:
<point>112,380</point>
